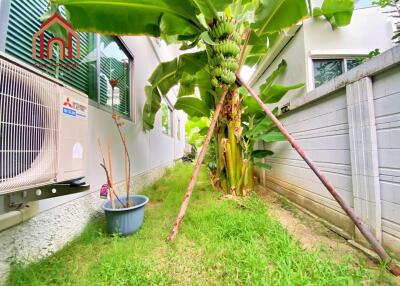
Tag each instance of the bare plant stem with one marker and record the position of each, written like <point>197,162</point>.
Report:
<point>123,139</point>
<point>103,165</point>
<point>127,160</point>
<point>196,171</point>
<point>376,245</point>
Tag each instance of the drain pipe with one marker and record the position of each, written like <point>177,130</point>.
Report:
<point>16,217</point>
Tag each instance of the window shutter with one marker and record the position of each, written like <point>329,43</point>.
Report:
<point>23,23</point>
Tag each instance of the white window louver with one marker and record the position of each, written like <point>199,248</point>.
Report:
<point>28,128</point>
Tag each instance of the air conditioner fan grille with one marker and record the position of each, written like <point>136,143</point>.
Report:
<point>28,128</point>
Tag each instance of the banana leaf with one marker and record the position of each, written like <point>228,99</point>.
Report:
<point>134,17</point>
<point>337,12</point>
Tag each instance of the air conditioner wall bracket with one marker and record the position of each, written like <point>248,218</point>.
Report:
<point>17,200</point>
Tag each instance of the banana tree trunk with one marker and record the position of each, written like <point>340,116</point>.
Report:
<point>248,179</point>
<point>229,154</point>
<point>230,168</point>
<point>376,245</point>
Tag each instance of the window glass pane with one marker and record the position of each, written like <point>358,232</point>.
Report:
<point>114,69</point>
<point>325,70</point>
<point>351,64</point>
<point>171,121</point>
<point>91,61</point>
<point>179,130</point>
<point>362,4</point>
<point>166,119</point>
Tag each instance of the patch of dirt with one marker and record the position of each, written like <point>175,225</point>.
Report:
<point>161,189</point>
<point>304,228</point>
<point>153,205</point>
<point>312,234</point>
<point>187,265</point>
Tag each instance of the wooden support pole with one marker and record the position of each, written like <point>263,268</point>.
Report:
<point>127,175</point>
<point>376,245</point>
<point>196,171</point>
<point>110,172</point>
<point>103,165</point>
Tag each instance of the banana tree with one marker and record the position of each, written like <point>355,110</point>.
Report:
<point>226,35</point>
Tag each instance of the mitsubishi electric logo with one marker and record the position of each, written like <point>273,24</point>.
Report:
<point>73,108</point>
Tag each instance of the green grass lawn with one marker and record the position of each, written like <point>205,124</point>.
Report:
<point>221,242</point>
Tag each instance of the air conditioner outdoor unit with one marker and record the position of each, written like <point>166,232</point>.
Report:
<point>43,129</point>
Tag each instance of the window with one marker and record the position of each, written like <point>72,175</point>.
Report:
<point>178,133</point>
<point>362,4</point>
<point>159,42</point>
<point>327,69</point>
<point>351,64</point>
<point>115,64</point>
<point>166,118</point>
<point>103,58</point>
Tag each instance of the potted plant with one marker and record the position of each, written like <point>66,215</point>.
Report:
<point>124,215</point>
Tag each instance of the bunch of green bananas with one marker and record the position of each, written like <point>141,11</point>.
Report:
<point>224,54</point>
<point>221,30</point>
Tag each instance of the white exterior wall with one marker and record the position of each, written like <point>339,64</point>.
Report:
<point>148,150</point>
<point>293,53</point>
<point>370,29</point>
<point>60,219</point>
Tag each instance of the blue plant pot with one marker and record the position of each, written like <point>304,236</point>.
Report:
<point>125,220</point>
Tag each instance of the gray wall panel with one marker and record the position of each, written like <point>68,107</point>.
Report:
<point>322,128</point>
<point>387,107</point>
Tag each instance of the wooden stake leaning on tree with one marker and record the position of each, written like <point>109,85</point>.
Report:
<point>197,167</point>
<point>127,175</point>
<point>110,172</point>
<point>200,159</point>
<point>376,245</point>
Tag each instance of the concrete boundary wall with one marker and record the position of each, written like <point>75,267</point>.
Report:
<point>350,127</point>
